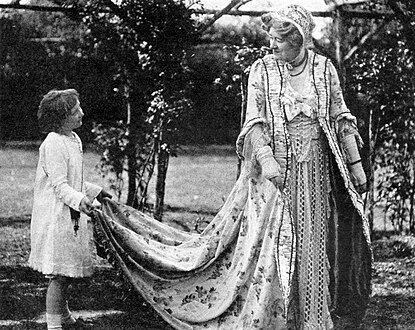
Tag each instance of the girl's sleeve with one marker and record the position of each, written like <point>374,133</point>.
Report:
<point>55,167</point>
<point>253,142</point>
<point>91,190</point>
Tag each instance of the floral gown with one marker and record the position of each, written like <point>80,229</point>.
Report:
<point>269,259</point>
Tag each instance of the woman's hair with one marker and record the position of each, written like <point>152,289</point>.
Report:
<point>288,30</point>
<point>55,107</point>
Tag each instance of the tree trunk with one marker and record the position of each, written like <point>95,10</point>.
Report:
<point>162,166</point>
<point>338,37</point>
<point>244,95</point>
<point>132,175</point>
<point>370,197</point>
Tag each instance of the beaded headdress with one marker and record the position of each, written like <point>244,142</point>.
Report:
<point>300,17</point>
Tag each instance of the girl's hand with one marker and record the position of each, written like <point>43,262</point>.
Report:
<point>86,206</point>
<point>103,194</point>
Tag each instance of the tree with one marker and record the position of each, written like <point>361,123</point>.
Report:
<point>39,51</point>
<point>382,71</point>
<point>144,44</point>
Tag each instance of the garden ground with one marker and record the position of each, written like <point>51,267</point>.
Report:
<point>196,185</point>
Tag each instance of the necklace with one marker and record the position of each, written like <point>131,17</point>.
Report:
<point>304,60</point>
<point>301,62</point>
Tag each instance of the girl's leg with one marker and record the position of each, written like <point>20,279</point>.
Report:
<point>56,301</point>
<point>67,317</point>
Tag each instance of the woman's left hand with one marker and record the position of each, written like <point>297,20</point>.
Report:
<point>358,177</point>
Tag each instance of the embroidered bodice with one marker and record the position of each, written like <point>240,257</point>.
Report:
<point>302,123</point>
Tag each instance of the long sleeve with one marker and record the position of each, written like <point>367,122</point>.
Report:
<point>55,165</point>
<point>253,141</point>
<point>345,126</point>
<point>255,110</point>
<point>340,116</point>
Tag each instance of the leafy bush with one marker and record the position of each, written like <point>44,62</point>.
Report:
<point>382,71</point>
<point>394,247</point>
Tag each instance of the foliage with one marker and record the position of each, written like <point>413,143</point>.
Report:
<point>394,247</point>
<point>245,55</point>
<point>163,115</point>
<point>43,51</point>
<point>236,31</point>
<point>234,77</point>
<point>144,43</point>
<point>112,141</point>
<point>396,186</point>
<point>117,54</point>
<point>383,72</point>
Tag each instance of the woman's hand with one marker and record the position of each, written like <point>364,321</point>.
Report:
<point>269,166</point>
<point>358,177</point>
<point>86,206</point>
<point>102,195</point>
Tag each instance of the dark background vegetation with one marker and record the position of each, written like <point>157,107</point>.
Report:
<point>43,51</point>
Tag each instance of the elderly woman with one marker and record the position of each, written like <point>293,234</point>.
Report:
<point>290,247</point>
<point>300,131</point>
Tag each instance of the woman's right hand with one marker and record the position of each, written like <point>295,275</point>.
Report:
<point>86,206</point>
<point>269,166</point>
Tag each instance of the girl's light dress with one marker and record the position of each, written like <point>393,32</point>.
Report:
<point>59,185</point>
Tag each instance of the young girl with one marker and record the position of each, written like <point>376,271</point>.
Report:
<point>60,238</point>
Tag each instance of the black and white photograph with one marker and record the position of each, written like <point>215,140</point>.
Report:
<point>207,164</point>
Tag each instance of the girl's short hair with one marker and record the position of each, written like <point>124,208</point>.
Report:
<point>288,30</point>
<point>55,107</point>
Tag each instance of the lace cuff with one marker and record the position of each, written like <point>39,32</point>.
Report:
<point>350,149</point>
<point>257,154</point>
<point>269,166</point>
<point>349,140</point>
<point>346,125</point>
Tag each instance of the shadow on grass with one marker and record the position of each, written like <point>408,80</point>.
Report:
<point>23,292</point>
<point>393,311</point>
<point>22,298</point>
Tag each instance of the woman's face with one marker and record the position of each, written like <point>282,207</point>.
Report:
<point>74,120</point>
<point>281,48</point>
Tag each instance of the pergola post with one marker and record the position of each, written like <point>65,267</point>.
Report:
<point>338,36</point>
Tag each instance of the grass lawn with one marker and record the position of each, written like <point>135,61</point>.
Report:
<point>197,183</point>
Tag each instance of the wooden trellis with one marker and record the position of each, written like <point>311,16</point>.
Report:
<point>339,10</point>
